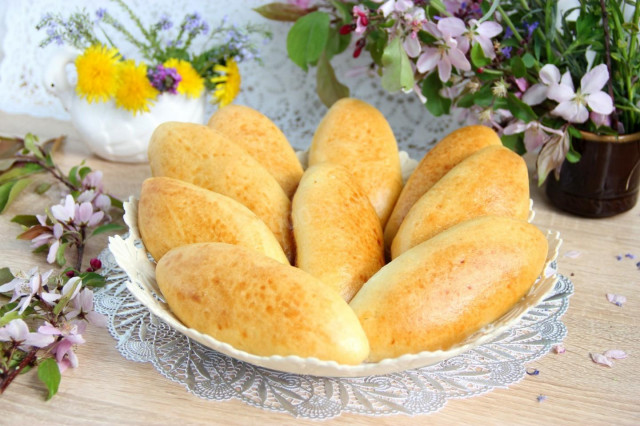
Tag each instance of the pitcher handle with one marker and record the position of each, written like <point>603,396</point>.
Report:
<point>55,76</point>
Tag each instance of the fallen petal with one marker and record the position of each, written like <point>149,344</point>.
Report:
<point>601,359</point>
<point>615,354</point>
<point>616,299</point>
<point>559,349</point>
<point>573,254</point>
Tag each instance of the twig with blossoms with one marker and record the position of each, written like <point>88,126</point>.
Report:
<point>44,315</point>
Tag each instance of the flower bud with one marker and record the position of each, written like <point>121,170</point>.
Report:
<point>95,264</point>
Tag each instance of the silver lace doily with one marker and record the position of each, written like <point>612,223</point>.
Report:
<point>208,374</point>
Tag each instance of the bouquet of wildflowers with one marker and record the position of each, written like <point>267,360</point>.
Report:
<point>43,315</point>
<point>169,66</point>
<point>536,72</point>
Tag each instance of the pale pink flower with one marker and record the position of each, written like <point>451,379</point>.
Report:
<point>549,77</point>
<point>93,180</point>
<point>572,254</point>
<point>82,308</point>
<point>25,288</point>
<point>600,119</point>
<point>361,14</point>
<point>17,331</point>
<point>559,349</point>
<point>84,215</point>
<point>414,19</point>
<point>64,212</point>
<point>535,134</point>
<point>481,34</point>
<point>53,251</point>
<point>447,52</point>
<point>71,335</point>
<point>552,156</point>
<point>390,6</point>
<point>572,104</point>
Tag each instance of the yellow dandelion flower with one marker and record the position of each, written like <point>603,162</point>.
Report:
<point>135,92</point>
<point>97,70</point>
<point>227,84</point>
<point>191,84</point>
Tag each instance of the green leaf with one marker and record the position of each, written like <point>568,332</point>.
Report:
<point>281,11</point>
<point>519,109</point>
<point>43,187</point>
<point>84,171</point>
<point>60,259</point>
<point>92,279</point>
<point>107,228</point>
<point>528,60</point>
<point>116,203</point>
<point>73,176</point>
<point>25,220</point>
<point>336,43</point>
<point>8,317</point>
<point>19,172</point>
<point>328,87</point>
<point>397,73</point>
<point>436,104</point>
<point>5,275</point>
<point>49,374</point>
<point>10,190</point>
<point>376,43</point>
<point>30,143</point>
<point>514,142</point>
<point>307,38</point>
<point>343,10</point>
<point>7,163</point>
<point>518,67</point>
<point>574,132</point>
<point>484,96</point>
<point>477,56</point>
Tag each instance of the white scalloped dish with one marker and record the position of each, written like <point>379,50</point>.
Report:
<point>132,257</point>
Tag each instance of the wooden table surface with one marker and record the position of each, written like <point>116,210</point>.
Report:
<point>106,388</point>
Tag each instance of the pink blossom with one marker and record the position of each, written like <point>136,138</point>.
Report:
<point>572,105</point>
<point>390,6</point>
<point>535,134</point>
<point>82,307</point>
<point>361,14</point>
<point>447,54</point>
<point>25,288</point>
<point>414,20</point>
<point>17,331</point>
<point>481,34</point>
<point>93,180</point>
<point>549,77</point>
<point>552,156</point>
<point>64,212</point>
<point>559,349</point>
<point>53,251</point>
<point>84,215</point>
<point>71,335</point>
<point>600,119</point>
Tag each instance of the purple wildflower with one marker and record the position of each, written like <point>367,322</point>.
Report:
<point>541,398</point>
<point>100,13</point>
<point>508,33</point>
<point>531,27</point>
<point>532,371</point>
<point>630,256</point>
<point>164,79</point>
<point>506,51</point>
<point>164,23</point>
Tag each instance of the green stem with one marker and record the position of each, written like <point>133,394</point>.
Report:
<point>607,50</point>
<point>506,19</point>
<point>133,17</point>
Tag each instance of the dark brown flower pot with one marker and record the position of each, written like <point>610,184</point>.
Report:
<point>604,182</point>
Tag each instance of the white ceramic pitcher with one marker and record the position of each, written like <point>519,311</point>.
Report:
<point>114,133</point>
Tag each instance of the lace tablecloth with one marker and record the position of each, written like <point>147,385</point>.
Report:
<point>279,89</point>
<point>211,375</point>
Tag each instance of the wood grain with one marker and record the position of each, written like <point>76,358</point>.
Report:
<point>108,389</point>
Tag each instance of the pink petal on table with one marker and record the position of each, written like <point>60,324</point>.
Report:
<point>573,254</point>
<point>615,354</point>
<point>616,299</point>
<point>601,359</point>
<point>559,349</point>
